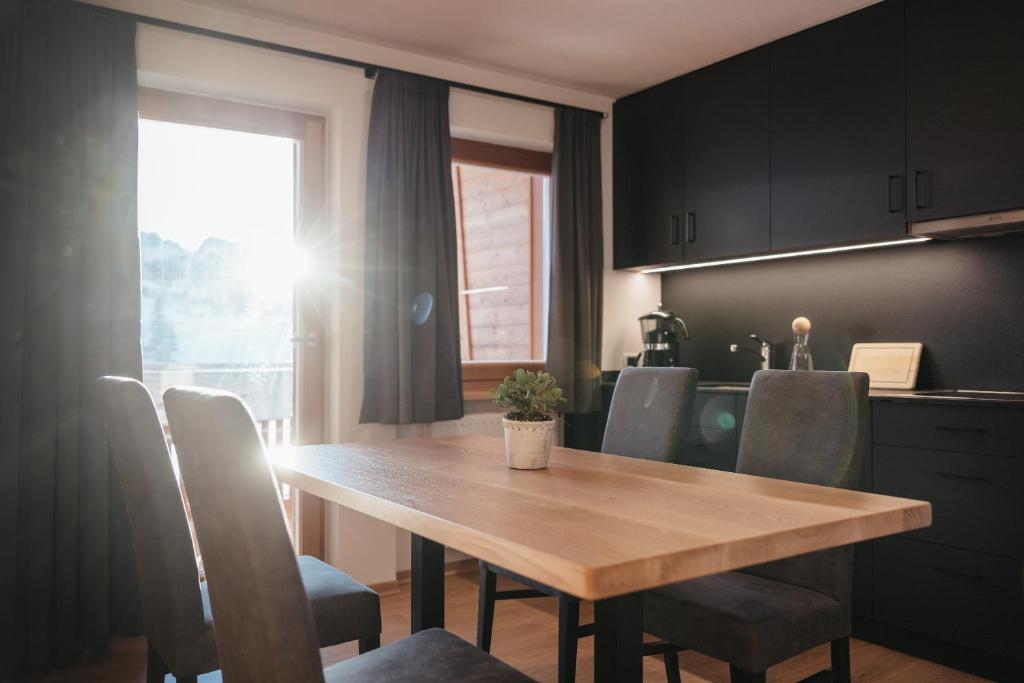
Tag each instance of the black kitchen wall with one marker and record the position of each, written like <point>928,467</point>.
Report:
<point>964,300</point>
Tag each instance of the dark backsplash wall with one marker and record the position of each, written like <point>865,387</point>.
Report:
<point>964,300</point>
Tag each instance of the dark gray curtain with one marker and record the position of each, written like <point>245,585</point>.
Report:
<point>577,259</point>
<point>69,313</point>
<point>411,362</point>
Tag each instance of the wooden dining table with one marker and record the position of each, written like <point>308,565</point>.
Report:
<point>598,527</point>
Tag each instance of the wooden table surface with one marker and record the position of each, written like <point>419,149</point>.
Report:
<point>592,525</point>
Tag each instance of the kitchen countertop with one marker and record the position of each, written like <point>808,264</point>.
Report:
<point>939,396</point>
<point>943,396</point>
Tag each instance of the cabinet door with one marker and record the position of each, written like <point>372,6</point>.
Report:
<point>962,597</point>
<point>838,131</point>
<point>976,499</point>
<point>648,177</point>
<point>725,158</point>
<point>965,105</point>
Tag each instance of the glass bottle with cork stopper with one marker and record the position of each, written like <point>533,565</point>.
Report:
<point>801,358</point>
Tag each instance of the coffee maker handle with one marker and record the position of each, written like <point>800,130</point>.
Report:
<point>686,333</point>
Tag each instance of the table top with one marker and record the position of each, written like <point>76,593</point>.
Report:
<point>591,525</point>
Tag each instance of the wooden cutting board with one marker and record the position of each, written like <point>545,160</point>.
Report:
<point>889,365</point>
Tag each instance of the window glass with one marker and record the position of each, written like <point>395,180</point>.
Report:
<point>502,262</point>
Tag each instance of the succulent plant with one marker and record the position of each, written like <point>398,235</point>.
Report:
<point>528,396</point>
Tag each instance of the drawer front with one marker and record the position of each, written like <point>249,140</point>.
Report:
<point>715,410</point>
<point>954,595</point>
<point>977,500</point>
<point>711,448</point>
<point>987,430</point>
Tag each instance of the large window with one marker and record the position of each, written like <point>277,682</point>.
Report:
<point>230,200</point>
<point>501,203</point>
<point>216,219</point>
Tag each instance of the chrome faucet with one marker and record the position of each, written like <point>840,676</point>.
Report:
<point>765,355</point>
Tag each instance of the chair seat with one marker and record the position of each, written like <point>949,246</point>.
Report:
<point>343,609</point>
<point>424,657</point>
<point>746,620</point>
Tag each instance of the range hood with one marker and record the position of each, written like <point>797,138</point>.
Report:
<point>981,225</point>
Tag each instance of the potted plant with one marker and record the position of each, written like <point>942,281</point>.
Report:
<point>529,400</point>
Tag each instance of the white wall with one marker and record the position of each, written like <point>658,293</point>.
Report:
<point>369,550</point>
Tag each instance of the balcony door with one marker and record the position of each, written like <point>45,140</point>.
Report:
<point>231,198</point>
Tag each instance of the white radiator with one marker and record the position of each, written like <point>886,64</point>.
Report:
<point>488,424</point>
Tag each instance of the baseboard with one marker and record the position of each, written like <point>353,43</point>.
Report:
<point>385,588</point>
<point>465,566</point>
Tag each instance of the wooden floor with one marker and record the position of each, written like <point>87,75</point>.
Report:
<point>525,637</point>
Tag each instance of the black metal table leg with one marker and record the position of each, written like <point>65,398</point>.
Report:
<point>618,639</point>
<point>427,584</point>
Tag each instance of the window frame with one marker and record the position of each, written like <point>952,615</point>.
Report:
<point>306,512</point>
<point>478,377</point>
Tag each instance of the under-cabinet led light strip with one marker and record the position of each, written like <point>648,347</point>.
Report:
<point>788,254</point>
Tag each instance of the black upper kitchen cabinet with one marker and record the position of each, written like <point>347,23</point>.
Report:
<point>838,131</point>
<point>726,158</point>
<point>648,177</point>
<point>965,107</point>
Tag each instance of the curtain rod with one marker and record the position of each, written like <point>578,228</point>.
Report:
<point>370,70</point>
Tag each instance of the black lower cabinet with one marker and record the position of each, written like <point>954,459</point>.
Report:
<point>585,431</point>
<point>953,592</point>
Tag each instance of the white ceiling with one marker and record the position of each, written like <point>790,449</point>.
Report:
<point>606,47</point>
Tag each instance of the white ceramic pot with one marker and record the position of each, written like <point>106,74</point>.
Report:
<point>528,444</point>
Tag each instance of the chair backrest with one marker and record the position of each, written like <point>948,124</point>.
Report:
<point>650,413</point>
<point>263,623</point>
<point>811,427</point>
<point>168,577</point>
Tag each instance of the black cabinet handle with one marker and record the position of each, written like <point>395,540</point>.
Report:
<point>961,430</point>
<point>961,575</point>
<point>691,227</point>
<point>700,445</point>
<point>922,189</point>
<point>897,193</point>
<point>960,477</point>
<point>675,230</point>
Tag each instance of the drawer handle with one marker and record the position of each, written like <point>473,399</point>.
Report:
<point>700,445</point>
<point>961,575</point>
<point>961,477</point>
<point>962,430</point>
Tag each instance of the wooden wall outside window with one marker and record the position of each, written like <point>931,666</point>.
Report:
<point>499,201</point>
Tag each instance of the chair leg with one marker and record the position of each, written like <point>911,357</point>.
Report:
<point>671,666</point>
<point>485,607</point>
<point>156,670</point>
<point>738,675</point>
<point>370,643</point>
<point>568,635</point>
<point>841,660</point>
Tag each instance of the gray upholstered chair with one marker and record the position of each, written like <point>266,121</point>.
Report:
<point>811,427</point>
<point>176,607</point>
<point>264,626</point>
<point>648,418</point>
